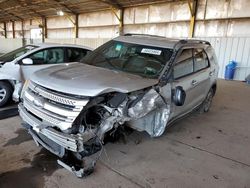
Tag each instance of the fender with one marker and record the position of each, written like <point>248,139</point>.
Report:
<point>10,71</point>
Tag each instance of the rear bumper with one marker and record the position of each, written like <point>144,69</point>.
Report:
<point>48,137</point>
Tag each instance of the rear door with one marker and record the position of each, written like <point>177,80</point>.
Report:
<point>202,74</point>
<point>75,54</point>
<point>191,71</point>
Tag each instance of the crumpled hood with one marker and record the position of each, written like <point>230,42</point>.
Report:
<point>87,80</point>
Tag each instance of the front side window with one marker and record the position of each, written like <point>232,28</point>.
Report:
<point>200,60</point>
<point>143,60</point>
<point>48,56</point>
<point>16,53</point>
<point>184,65</point>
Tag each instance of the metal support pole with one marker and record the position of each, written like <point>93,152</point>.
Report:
<point>77,26</point>
<point>121,22</point>
<point>193,9</point>
<point>23,39</point>
<point>191,27</point>
<point>120,18</point>
<point>5,30</point>
<point>13,29</point>
<point>45,29</point>
<point>75,23</point>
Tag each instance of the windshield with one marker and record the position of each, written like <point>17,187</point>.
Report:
<point>16,53</point>
<point>143,60</point>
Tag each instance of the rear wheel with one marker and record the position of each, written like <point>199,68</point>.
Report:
<point>5,93</point>
<point>207,102</point>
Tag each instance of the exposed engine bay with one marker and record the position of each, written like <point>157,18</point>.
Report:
<point>112,110</point>
<point>103,115</point>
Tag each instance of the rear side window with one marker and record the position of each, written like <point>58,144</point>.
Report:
<point>75,54</point>
<point>190,61</point>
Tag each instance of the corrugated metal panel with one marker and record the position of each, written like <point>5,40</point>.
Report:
<point>93,43</point>
<point>7,45</point>
<point>232,48</point>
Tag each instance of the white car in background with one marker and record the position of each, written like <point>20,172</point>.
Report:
<point>17,66</point>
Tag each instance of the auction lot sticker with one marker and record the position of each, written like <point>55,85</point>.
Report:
<point>151,51</point>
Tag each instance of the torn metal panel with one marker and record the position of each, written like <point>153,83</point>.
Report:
<point>153,123</point>
<point>152,113</point>
<point>150,101</point>
<point>17,90</point>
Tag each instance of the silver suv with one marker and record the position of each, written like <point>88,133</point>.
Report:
<point>144,82</point>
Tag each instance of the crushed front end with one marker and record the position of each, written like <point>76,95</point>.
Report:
<point>74,127</point>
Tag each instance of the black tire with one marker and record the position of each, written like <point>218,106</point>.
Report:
<point>5,93</point>
<point>205,107</point>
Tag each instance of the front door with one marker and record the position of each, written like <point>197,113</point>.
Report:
<point>191,71</point>
<point>42,59</point>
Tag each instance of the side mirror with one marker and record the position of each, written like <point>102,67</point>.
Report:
<point>27,61</point>
<point>179,96</point>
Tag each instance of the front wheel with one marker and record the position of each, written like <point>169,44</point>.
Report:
<point>207,102</point>
<point>5,93</point>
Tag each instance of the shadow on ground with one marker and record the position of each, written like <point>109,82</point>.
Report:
<point>8,112</point>
<point>22,136</point>
<point>43,164</point>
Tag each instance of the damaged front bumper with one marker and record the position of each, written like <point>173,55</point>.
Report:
<point>57,142</point>
<point>69,142</point>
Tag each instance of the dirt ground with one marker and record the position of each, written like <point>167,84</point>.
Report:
<point>202,150</point>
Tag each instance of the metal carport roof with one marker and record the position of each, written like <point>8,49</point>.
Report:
<point>16,10</point>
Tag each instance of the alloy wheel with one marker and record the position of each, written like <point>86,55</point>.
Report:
<point>2,94</point>
<point>208,102</point>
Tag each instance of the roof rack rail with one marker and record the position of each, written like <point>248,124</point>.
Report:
<point>183,41</point>
<point>138,34</point>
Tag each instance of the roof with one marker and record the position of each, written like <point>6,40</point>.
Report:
<point>14,10</point>
<point>158,41</point>
<point>147,40</point>
<point>46,45</point>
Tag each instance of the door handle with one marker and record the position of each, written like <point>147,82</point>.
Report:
<point>194,82</point>
<point>212,72</point>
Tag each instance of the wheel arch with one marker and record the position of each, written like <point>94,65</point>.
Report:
<point>214,88</point>
<point>10,82</point>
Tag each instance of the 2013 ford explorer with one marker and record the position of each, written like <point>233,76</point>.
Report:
<point>143,82</point>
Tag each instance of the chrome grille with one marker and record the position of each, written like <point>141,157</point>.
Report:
<point>56,97</point>
<point>55,109</point>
